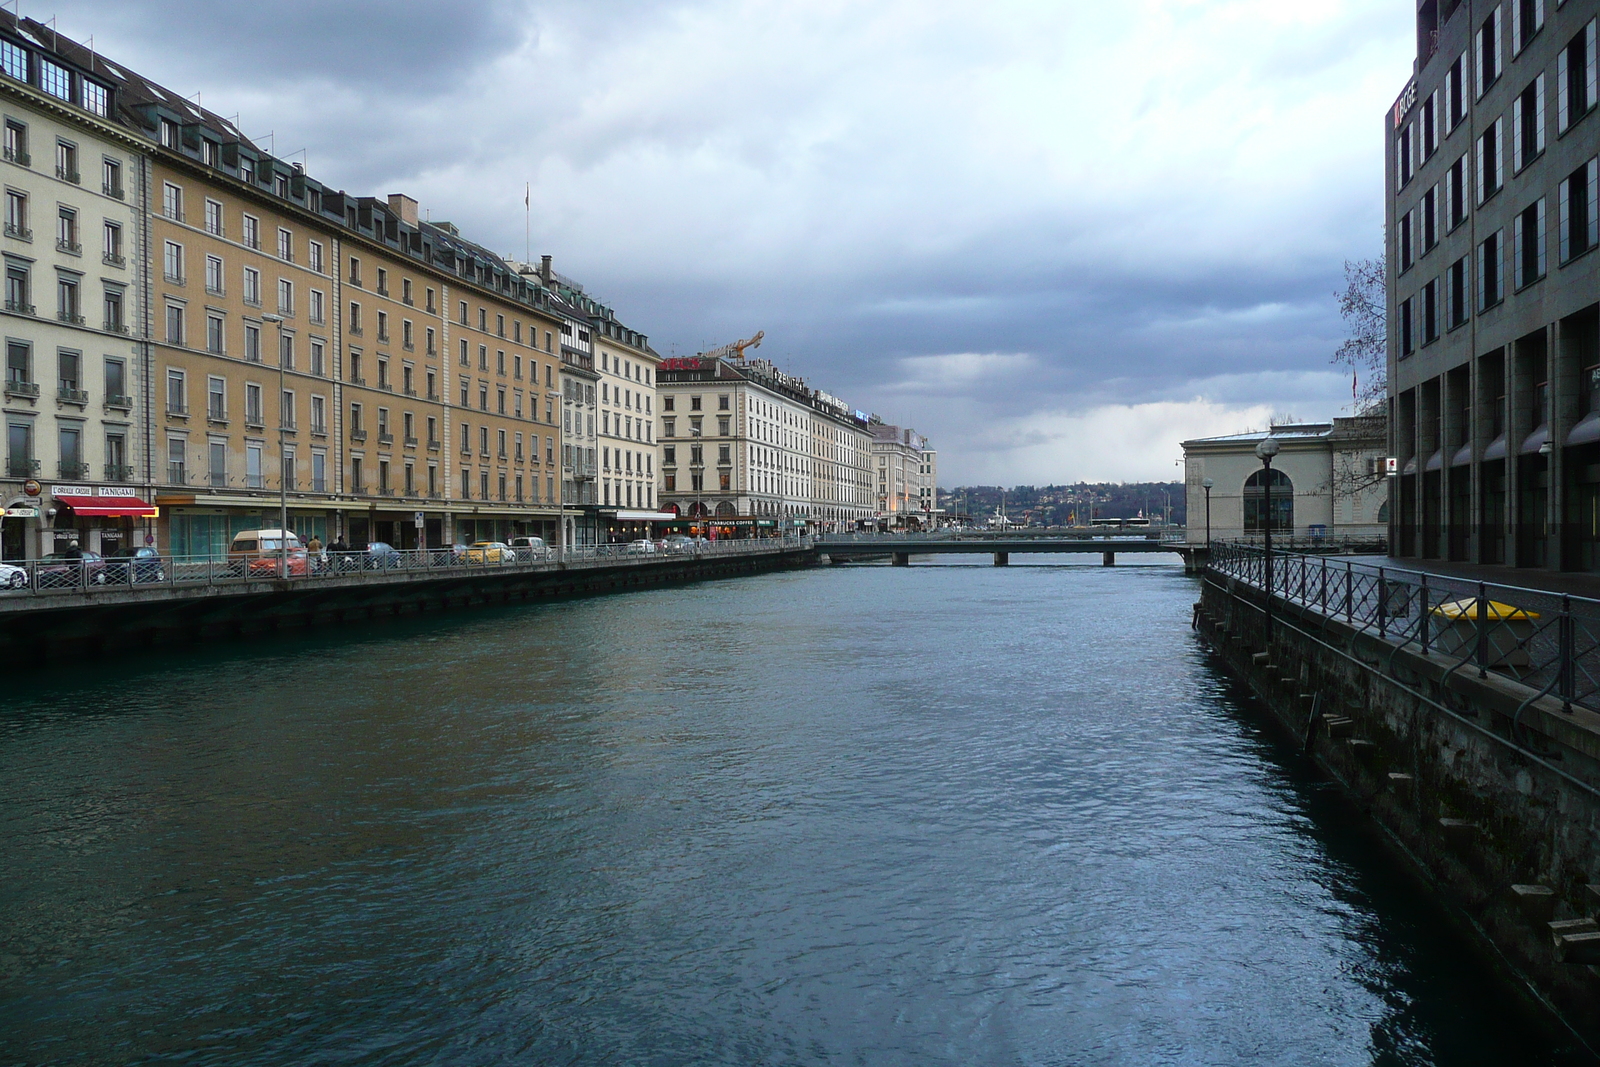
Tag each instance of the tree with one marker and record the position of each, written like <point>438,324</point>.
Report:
<point>1363,305</point>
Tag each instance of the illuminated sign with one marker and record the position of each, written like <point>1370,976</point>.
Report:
<point>680,364</point>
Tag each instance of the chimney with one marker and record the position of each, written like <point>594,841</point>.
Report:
<point>544,270</point>
<point>405,207</point>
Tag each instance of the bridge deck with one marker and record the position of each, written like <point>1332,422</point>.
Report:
<point>939,546</point>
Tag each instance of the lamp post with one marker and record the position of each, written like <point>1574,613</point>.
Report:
<point>1206,484</point>
<point>1265,451</point>
<point>283,456</point>
<point>699,478</point>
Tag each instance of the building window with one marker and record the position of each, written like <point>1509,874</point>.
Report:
<point>252,286</point>
<point>116,380</point>
<point>177,395</point>
<point>1455,191</point>
<point>1491,172</point>
<point>285,245</point>
<point>175,324</point>
<point>1430,313</point>
<point>216,399</point>
<point>1578,211</point>
<point>111,178</point>
<point>319,414</point>
<point>1527,237</point>
<point>55,79</point>
<point>317,362</point>
<point>1527,125</point>
<point>214,275</point>
<point>1402,151</point>
<point>285,296</point>
<point>1403,327</point>
<point>1487,42</point>
<point>114,322</point>
<point>252,232</point>
<point>17,215</point>
<point>176,472</point>
<point>252,405</point>
<point>214,334</point>
<point>172,263</point>
<point>314,256</point>
<point>1491,289</point>
<point>214,218</point>
<point>172,201</point>
<point>1575,78</point>
<point>67,231</point>
<point>316,310</point>
<point>252,343</point>
<point>14,61</point>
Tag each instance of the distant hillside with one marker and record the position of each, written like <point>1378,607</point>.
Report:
<point>1062,505</point>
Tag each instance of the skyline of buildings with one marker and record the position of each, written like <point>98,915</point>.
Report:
<point>260,332</point>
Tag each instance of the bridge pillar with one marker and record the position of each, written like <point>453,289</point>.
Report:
<point>1001,559</point>
<point>1108,559</point>
<point>900,559</point>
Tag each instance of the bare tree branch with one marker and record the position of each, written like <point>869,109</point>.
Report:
<point>1365,351</point>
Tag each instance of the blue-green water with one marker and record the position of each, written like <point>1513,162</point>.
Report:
<point>950,814</point>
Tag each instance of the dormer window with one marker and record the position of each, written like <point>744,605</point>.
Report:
<point>247,169</point>
<point>55,80</point>
<point>14,61</point>
<point>209,151</point>
<point>280,185</point>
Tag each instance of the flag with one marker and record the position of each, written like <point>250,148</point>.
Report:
<point>526,193</point>
<point>1352,387</point>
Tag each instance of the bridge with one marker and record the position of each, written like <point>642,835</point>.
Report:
<point>848,548</point>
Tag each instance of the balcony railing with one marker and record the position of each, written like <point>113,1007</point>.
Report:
<point>411,442</point>
<point>72,395</point>
<point>68,175</point>
<point>119,472</point>
<point>111,259</point>
<point>21,159</point>
<point>21,233</point>
<point>358,435</point>
<point>71,469</point>
<point>22,468</point>
<point>70,317</point>
<point>72,247</point>
<point>385,438</point>
<point>116,192</point>
<point>113,326</point>
<point>119,401</point>
<point>177,474</point>
<point>178,409</point>
<point>19,388</point>
<point>19,307</point>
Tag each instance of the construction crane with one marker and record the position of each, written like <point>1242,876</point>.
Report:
<point>736,349</point>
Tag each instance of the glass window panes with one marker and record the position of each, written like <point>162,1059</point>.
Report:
<point>14,61</point>
<point>95,98</point>
<point>55,80</point>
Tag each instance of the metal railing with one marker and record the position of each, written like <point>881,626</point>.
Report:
<point>95,574</point>
<point>1547,641</point>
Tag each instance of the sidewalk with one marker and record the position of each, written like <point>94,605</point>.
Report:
<point>1575,583</point>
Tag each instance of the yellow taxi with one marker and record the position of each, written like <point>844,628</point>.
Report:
<point>490,552</point>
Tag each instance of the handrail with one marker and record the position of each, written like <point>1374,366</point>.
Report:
<point>44,578</point>
<point>1547,641</point>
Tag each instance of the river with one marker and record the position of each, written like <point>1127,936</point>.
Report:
<point>945,814</point>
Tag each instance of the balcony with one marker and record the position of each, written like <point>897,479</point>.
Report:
<point>119,402</point>
<point>319,429</point>
<point>19,307</point>
<point>116,192</point>
<point>433,396</point>
<point>72,395</point>
<point>218,479</point>
<point>119,472</point>
<point>21,468</point>
<point>385,438</point>
<point>383,338</point>
<point>410,392</point>
<point>353,331</point>
<point>113,326</point>
<point>70,469</point>
<point>179,410</point>
<point>217,415</point>
<point>70,247</point>
<point>433,446</point>
<point>387,387</point>
<point>176,474</point>
<point>69,317</point>
<point>408,346</point>
<point>21,159</point>
<point>358,435</point>
<point>356,379</point>
<point>411,442</point>
<point>254,422</point>
<point>20,233</point>
<point>68,175</point>
<point>20,388</point>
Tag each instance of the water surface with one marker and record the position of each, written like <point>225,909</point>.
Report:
<point>949,814</point>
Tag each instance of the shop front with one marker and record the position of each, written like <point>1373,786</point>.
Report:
<point>107,519</point>
<point>622,525</point>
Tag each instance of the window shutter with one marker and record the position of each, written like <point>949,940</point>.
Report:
<point>1591,186</point>
<point>1500,152</point>
<point>1538,113</point>
<point>1564,239</point>
<point>1477,64</point>
<point>1516,137</point>
<point>1588,67</point>
<point>1477,164</point>
<point>1563,84</point>
<point>1538,236</point>
<point>1517,239</point>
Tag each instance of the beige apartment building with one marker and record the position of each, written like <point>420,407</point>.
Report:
<point>76,385</point>
<point>907,474</point>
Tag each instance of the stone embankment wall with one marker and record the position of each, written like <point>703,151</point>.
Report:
<point>110,621</point>
<point>1490,797</point>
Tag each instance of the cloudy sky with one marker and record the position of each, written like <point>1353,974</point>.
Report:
<point>1057,237</point>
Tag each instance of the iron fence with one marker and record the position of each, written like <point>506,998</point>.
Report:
<point>1547,641</point>
<point>93,574</point>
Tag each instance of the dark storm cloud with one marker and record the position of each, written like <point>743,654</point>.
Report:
<point>1039,236</point>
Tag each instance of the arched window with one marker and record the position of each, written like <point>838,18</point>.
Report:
<point>726,510</point>
<point>1255,502</point>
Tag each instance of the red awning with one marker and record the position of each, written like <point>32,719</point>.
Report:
<point>108,507</point>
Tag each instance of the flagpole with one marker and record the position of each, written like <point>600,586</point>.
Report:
<point>527,223</point>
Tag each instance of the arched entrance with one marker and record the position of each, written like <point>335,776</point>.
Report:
<point>1255,502</point>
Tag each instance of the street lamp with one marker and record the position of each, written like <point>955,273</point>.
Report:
<point>1265,451</point>
<point>1206,484</point>
<point>283,459</point>
<point>699,479</point>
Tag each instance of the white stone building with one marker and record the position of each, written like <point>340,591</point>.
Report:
<point>1328,483</point>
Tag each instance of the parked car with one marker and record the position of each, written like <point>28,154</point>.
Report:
<point>376,556</point>
<point>261,553</point>
<point>67,570</point>
<point>529,549</point>
<point>490,552</point>
<point>677,543</point>
<point>642,547</point>
<point>12,576</point>
<point>133,565</point>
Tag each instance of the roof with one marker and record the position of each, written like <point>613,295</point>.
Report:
<point>1363,428</point>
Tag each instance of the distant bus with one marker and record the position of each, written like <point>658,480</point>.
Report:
<point>1119,522</point>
